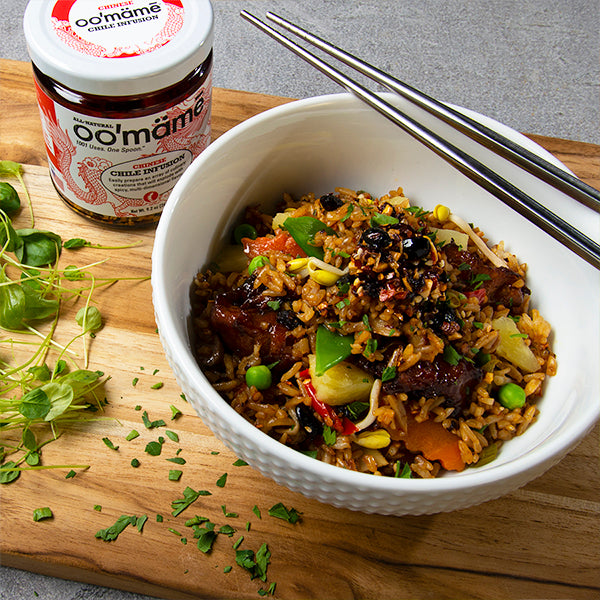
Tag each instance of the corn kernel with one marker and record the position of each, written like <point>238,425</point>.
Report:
<point>322,277</point>
<point>297,263</point>
<point>374,439</point>
<point>441,213</point>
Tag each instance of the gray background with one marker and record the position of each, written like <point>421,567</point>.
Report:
<point>532,64</point>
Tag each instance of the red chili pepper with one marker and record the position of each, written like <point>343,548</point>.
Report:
<point>479,293</point>
<point>342,425</point>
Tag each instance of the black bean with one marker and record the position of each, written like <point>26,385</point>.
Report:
<point>376,239</point>
<point>416,247</point>
<point>331,201</point>
<point>308,421</point>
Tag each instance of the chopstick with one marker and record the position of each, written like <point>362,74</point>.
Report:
<point>517,154</point>
<point>513,197</point>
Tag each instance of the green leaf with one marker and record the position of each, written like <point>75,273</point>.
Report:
<point>8,235</point>
<point>28,439</point>
<point>381,219</point>
<point>303,230</point>
<point>154,448</point>
<point>7,475</point>
<point>74,243</point>
<point>89,318</point>
<point>73,273</point>
<point>206,539</point>
<point>42,513</point>
<point>141,521</point>
<point>263,557</point>
<point>189,497</point>
<point>279,511</point>
<point>245,559</point>
<point>39,247</point>
<point>388,374</point>
<point>40,373</point>
<point>35,404</point>
<point>9,198</point>
<point>81,380</point>
<point>329,435</point>
<point>172,435</point>
<point>37,306</point>
<point>32,458</point>
<point>12,303</point>
<point>61,396</point>
<point>109,443</point>
<point>112,533</point>
<point>331,348</point>
<point>357,409</point>
<point>132,435</point>
<point>222,480</point>
<point>451,356</point>
<point>10,168</point>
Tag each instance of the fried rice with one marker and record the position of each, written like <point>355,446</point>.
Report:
<point>397,342</point>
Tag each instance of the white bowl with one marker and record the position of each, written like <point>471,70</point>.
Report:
<point>324,142</point>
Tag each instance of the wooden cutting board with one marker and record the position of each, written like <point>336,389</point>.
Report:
<point>539,542</point>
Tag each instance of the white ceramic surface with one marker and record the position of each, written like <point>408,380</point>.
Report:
<point>324,142</point>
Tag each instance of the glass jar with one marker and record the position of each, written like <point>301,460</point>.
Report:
<point>124,91</point>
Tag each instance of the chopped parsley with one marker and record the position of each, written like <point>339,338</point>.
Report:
<point>109,443</point>
<point>256,564</point>
<point>153,448</point>
<point>189,497</point>
<point>112,533</point>
<point>151,424</point>
<point>329,435</point>
<point>388,374</point>
<point>172,435</point>
<point>42,513</point>
<point>279,511</point>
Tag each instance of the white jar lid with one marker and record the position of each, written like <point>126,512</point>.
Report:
<point>118,47</point>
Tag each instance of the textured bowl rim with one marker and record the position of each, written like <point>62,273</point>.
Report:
<point>536,461</point>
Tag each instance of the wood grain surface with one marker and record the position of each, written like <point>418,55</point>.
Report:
<point>542,541</point>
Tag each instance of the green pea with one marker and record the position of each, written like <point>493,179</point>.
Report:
<point>9,199</point>
<point>256,263</point>
<point>259,377</point>
<point>511,396</point>
<point>244,231</point>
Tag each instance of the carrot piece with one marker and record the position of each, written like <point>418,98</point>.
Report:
<point>435,442</point>
<point>282,242</point>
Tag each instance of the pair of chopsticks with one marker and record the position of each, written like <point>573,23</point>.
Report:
<point>526,206</point>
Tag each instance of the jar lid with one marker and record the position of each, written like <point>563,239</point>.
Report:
<point>118,47</point>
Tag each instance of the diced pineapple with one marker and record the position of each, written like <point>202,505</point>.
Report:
<point>279,219</point>
<point>512,346</point>
<point>341,384</point>
<point>446,236</point>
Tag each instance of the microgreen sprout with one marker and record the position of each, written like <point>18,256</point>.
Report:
<point>43,385</point>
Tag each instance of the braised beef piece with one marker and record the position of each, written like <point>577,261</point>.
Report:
<point>240,327</point>
<point>496,281</point>
<point>437,378</point>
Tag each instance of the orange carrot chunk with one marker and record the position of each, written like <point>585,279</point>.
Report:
<point>434,442</point>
